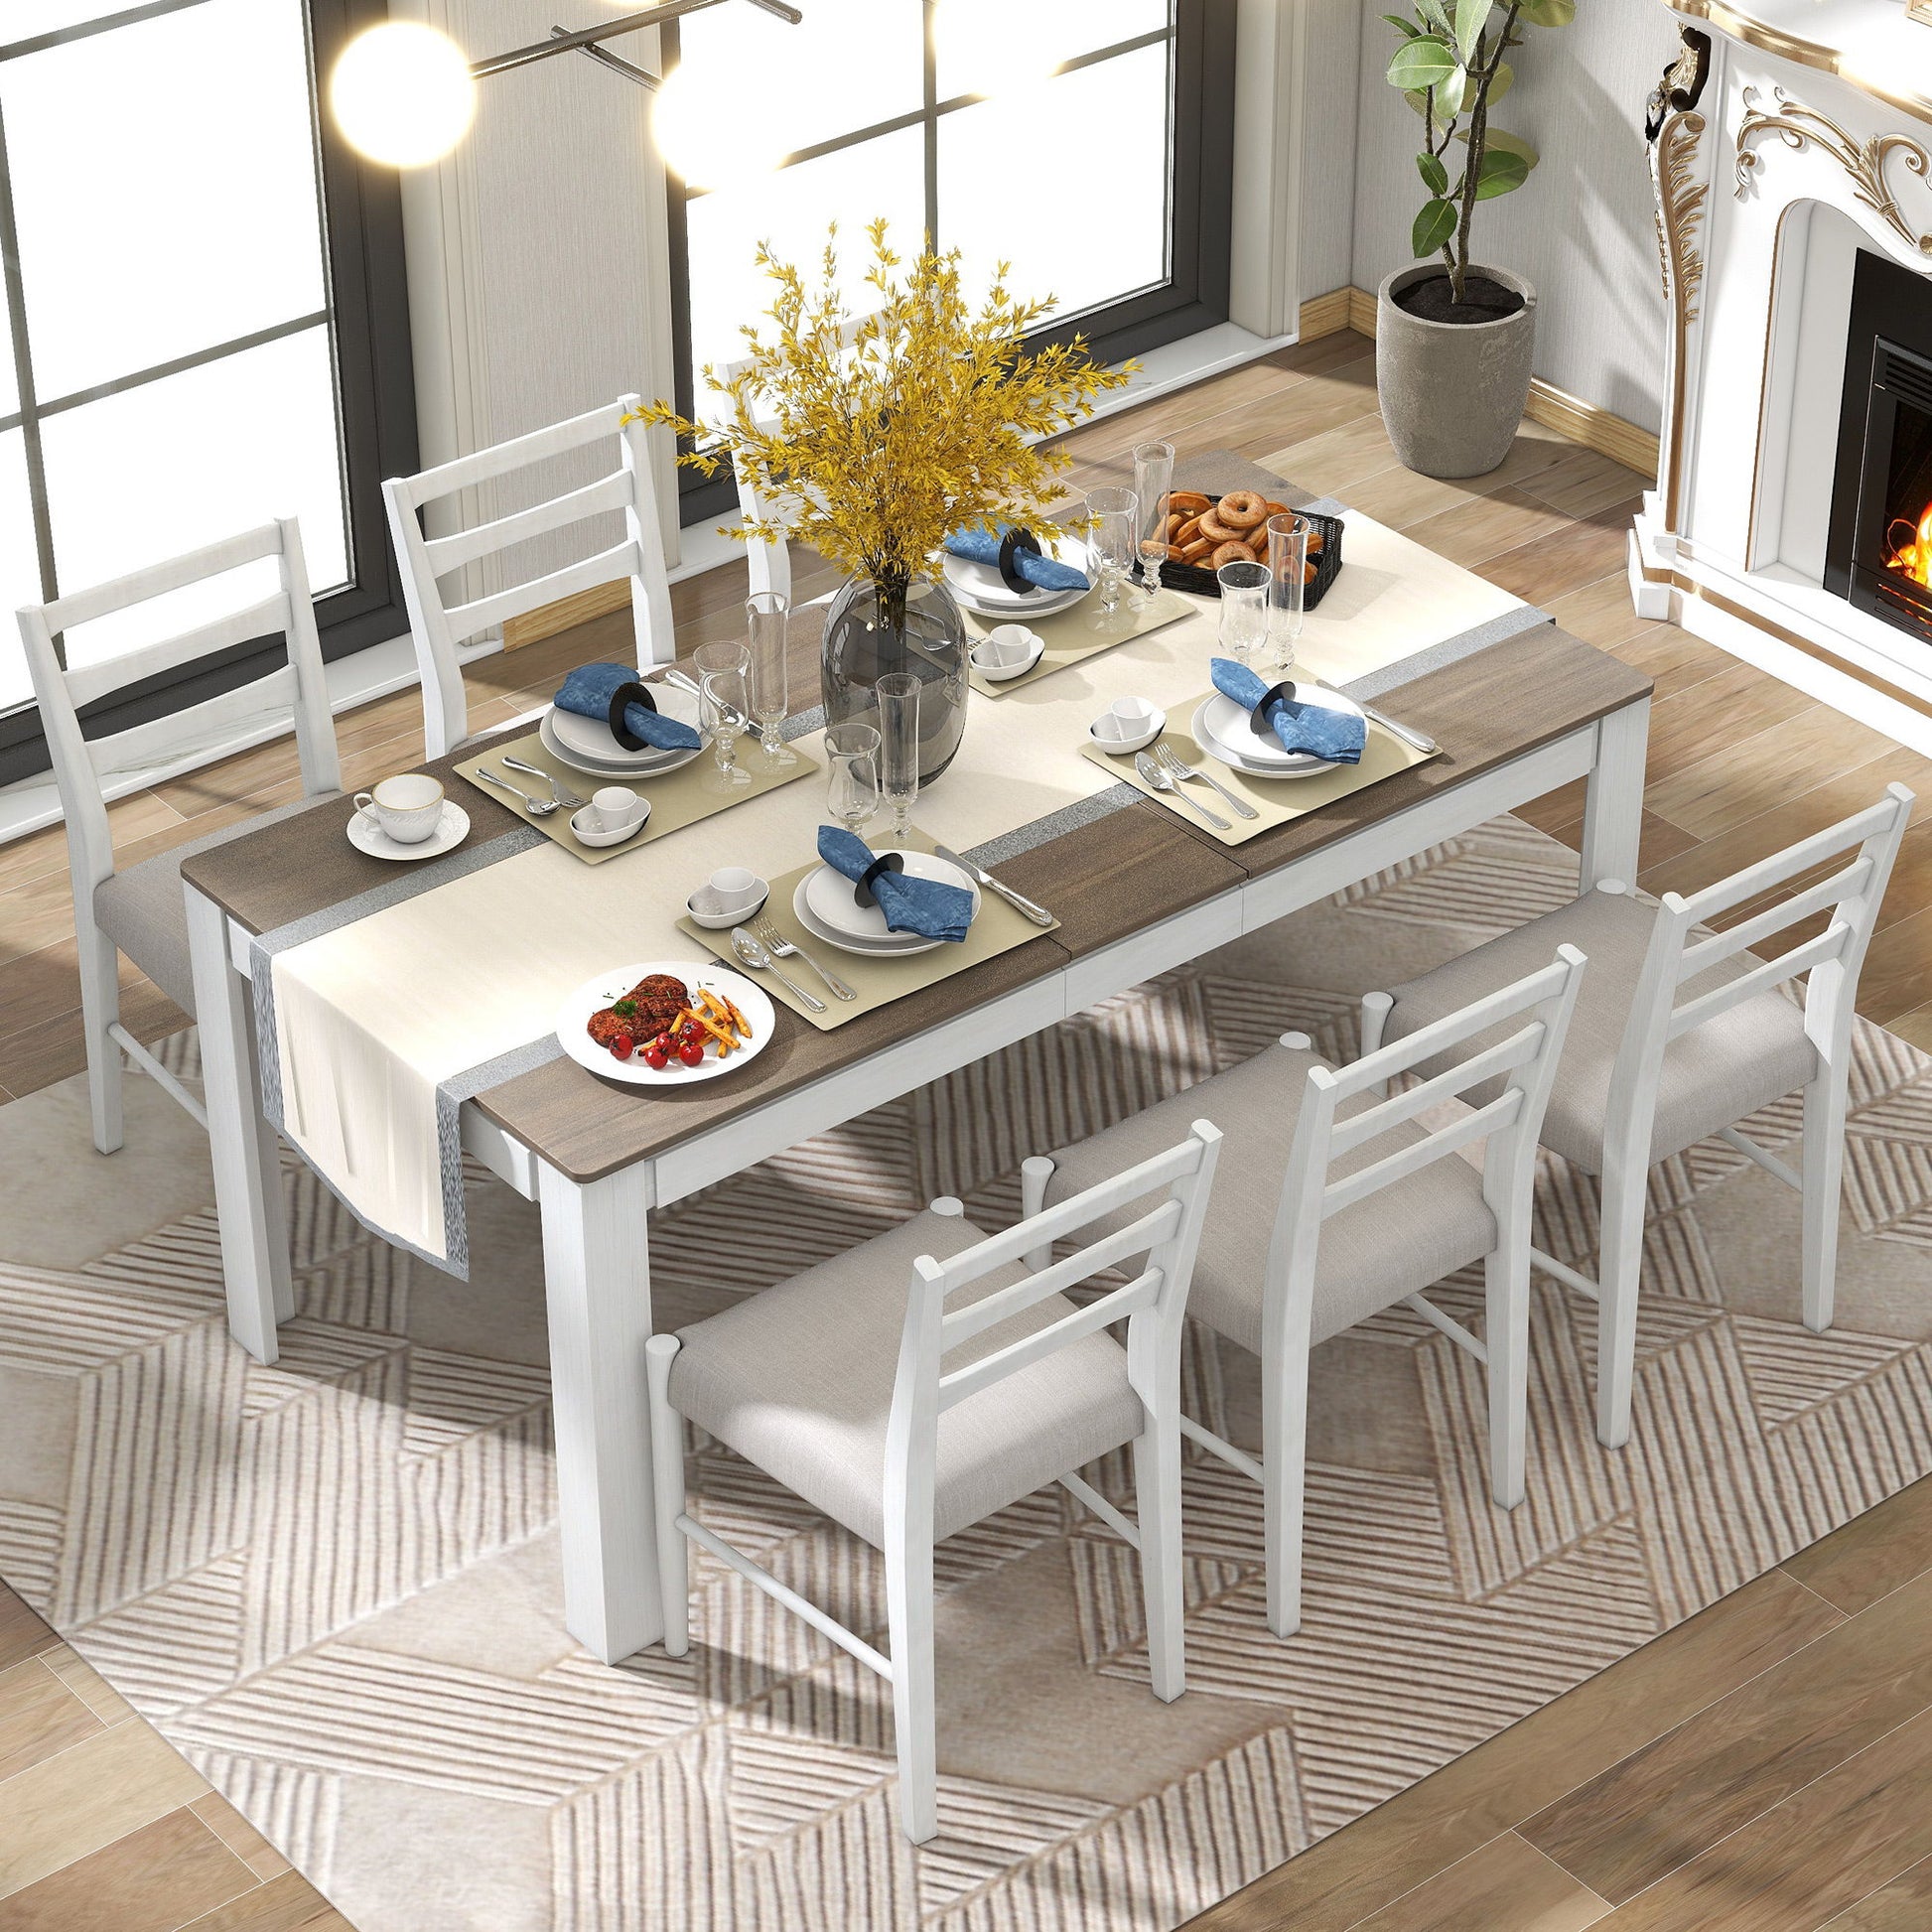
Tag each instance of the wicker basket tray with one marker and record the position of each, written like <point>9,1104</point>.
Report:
<point>1328,562</point>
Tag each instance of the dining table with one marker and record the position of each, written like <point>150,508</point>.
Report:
<point>1517,707</point>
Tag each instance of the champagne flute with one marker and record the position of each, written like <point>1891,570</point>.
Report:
<point>852,774</point>
<point>899,757</point>
<point>1287,561</point>
<point>1244,608</point>
<point>1153,479</point>
<point>1110,514</point>
<point>766,612</point>
<point>723,702</point>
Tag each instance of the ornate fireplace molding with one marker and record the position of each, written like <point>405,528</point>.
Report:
<point>1800,127</point>
<point>1676,128</point>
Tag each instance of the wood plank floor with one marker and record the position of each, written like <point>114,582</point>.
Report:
<point>1767,1765</point>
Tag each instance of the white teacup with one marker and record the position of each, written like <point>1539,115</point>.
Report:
<point>614,808</point>
<point>1003,647</point>
<point>733,888</point>
<point>408,807</point>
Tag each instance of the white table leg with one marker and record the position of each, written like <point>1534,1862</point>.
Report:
<point>1613,807</point>
<point>247,1164</point>
<point>597,1281</point>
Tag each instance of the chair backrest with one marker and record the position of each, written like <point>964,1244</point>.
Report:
<point>438,627</point>
<point>1153,1303</point>
<point>1535,1011</point>
<point>82,764</point>
<point>1848,896</point>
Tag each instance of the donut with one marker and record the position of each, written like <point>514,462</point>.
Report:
<point>1216,531</point>
<point>1241,509</point>
<point>1276,509</point>
<point>1191,501</point>
<point>1192,553</point>
<point>1231,553</point>
<point>1188,532</point>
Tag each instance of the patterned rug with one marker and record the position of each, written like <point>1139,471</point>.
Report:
<point>334,1584</point>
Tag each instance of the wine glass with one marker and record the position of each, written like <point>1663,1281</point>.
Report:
<point>852,774</point>
<point>899,758</point>
<point>766,612</point>
<point>1287,570</point>
<point>1153,479</point>
<point>723,709</point>
<point>1244,608</point>
<point>1110,514</point>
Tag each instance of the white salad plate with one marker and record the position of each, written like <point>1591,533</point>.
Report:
<point>366,835</point>
<point>578,738</point>
<point>897,945</point>
<point>574,1017</point>
<point>826,907</point>
<point>621,765</point>
<point>1226,730</point>
<point>982,589</point>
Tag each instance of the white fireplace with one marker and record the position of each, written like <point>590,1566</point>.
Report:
<point>1792,141</point>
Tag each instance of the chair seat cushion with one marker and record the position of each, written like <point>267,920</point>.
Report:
<point>1712,1076</point>
<point>1395,1243</point>
<point>142,910</point>
<point>799,1380</point>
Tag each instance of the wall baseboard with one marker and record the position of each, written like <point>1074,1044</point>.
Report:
<point>1581,421</point>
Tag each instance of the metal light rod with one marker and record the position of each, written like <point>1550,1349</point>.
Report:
<point>588,38</point>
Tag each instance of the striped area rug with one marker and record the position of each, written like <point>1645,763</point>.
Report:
<point>335,1584</point>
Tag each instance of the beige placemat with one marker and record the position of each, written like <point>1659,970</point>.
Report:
<point>1276,800</point>
<point>996,928</point>
<point>677,800</point>
<point>1072,635</point>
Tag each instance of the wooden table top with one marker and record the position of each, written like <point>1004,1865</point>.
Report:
<point>1105,880</point>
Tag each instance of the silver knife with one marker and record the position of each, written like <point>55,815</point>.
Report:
<point>1407,733</point>
<point>1018,901</point>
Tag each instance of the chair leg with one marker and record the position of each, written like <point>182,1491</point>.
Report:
<point>1506,1336</point>
<point>909,1622</point>
<point>668,1495</point>
<point>1823,1170</point>
<point>1284,1459</point>
<point>1156,1497</point>
<point>1617,1275</point>
<point>101,1007</point>
<point>1035,1172</point>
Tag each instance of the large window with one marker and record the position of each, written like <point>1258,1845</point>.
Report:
<point>1086,142</point>
<point>203,321</point>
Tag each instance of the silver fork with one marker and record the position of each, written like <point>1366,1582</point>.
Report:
<point>535,807</point>
<point>558,794</point>
<point>763,928</point>
<point>1172,759</point>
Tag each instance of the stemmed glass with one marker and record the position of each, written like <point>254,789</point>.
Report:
<point>1287,563</point>
<point>1153,479</point>
<point>766,612</point>
<point>723,702</point>
<point>1244,608</point>
<point>1115,540</point>
<point>852,774</point>
<point>899,758</point>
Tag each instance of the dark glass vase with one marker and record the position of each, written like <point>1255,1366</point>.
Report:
<point>875,627</point>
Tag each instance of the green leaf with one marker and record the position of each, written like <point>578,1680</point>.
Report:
<point>1547,13</point>
<point>1471,18</point>
<point>1501,81</point>
<point>1406,28</point>
<point>1422,62</point>
<point>1434,226</point>
<point>1433,175</point>
<point>1437,17</point>
<point>1417,98</point>
<point>1498,140</point>
<point>1501,171</point>
<point>1450,94</point>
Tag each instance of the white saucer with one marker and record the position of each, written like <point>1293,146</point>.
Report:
<point>1000,674</point>
<point>584,836</point>
<point>365,834</point>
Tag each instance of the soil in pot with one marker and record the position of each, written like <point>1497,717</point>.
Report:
<point>1482,300</point>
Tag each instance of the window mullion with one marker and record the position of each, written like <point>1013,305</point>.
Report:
<point>929,110</point>
<point>30,426</point>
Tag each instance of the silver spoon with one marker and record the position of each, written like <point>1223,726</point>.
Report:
<point>1162,781</point>
<point>536,807</point>
<point>752,954</point>
<point>557,793</point>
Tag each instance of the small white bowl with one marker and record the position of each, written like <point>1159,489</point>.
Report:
<point>1128,725</point>
<point>581,832</point>
<point>715,913</point>
<point>1007,650</point>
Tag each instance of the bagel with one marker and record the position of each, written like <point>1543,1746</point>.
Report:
<point>1241,510</point>
<point>1231,553</point>
<point>1216,531</point>
<point>1192,501</point>
<point>1192,553</point>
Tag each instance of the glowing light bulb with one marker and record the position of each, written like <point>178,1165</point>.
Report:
<point>402,94</point>
<point>708,148</point>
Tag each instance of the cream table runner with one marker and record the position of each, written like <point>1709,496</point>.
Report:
<point>377,1025</point>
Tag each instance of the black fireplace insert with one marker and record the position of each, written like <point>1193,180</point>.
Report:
<point>1878,549</point>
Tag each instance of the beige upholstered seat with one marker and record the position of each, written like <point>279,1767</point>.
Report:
<point>142,911</point>
<point>1393,1244</point>
<point>1716,1074</point>
<point>799,1380</point>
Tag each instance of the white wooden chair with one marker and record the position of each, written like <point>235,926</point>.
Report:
<point>907,1420</point>
<point>141,911</point>
<point>1333,1204</point>
<point>438,627</point>
<point>1652,1067</point>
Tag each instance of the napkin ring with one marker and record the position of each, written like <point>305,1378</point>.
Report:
<point>621,699</point>
<point>886,862</point>
<point>1258,717</point>
<point>1015,541</point>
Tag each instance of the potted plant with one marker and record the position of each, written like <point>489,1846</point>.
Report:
<point>884,437</point>
<point>1454,338</point>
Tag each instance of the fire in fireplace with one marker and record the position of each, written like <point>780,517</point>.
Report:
<point>1878,549</point>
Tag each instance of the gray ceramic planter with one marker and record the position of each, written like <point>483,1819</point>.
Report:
<point>1452,393</point>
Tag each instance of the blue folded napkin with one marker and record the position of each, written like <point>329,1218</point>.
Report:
<point>1337,736</point>
<point>981,545</point>
<point>928,906</point>
<point>588,689</point>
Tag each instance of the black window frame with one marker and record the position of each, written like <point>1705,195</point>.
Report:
<point>367,303</point>
<point>1192,298</point>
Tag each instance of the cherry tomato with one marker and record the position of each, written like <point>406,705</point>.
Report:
<point>663,1044</point>
<point>655,1057</point>
<point>623,1046</point>
<point>691,1053</point>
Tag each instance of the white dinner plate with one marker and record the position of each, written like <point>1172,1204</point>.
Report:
<point>829,895</point>
<point>365,834</point>
<point>581,738</point>
<point>573,1015</point>
<point>897,945</point>
<point>981,588</point>
<point>621,767</point>
<point>1225,728</point>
